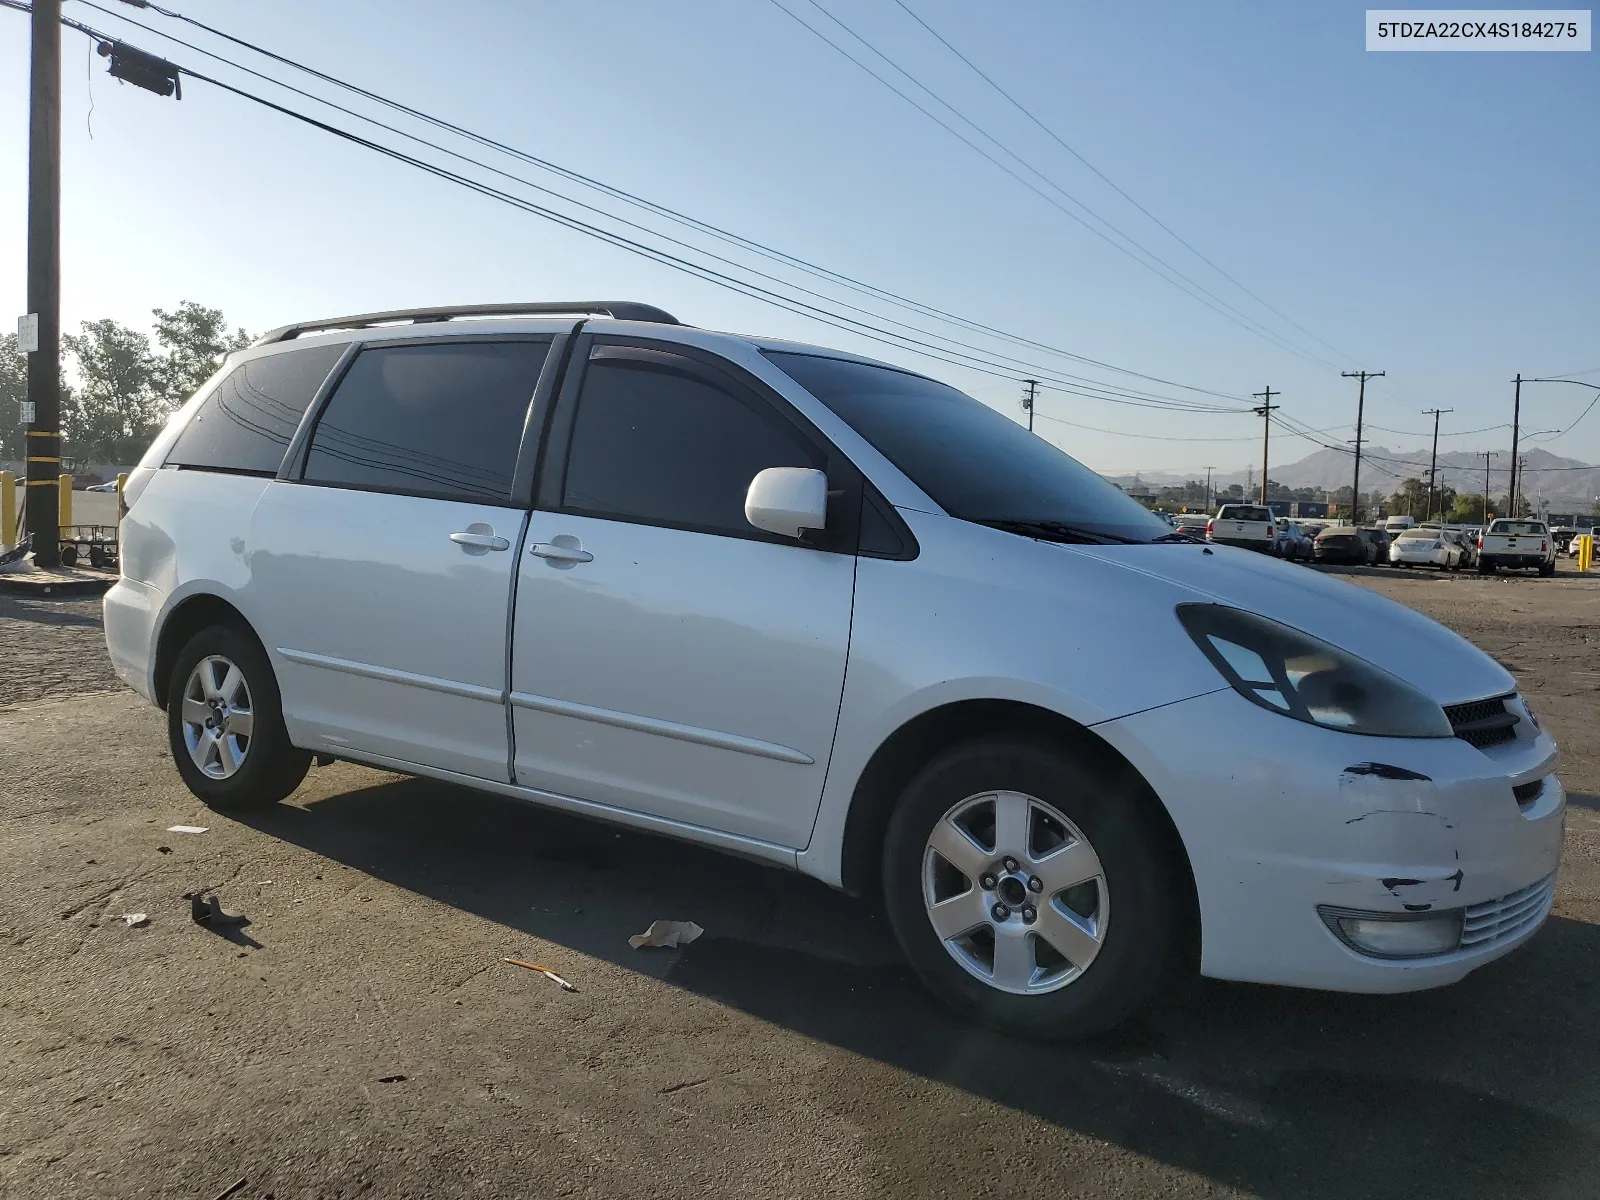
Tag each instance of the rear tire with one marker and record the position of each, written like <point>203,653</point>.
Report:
<point>225,723</point>
<point>1070,971</point>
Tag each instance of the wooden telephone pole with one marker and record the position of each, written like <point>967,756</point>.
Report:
<point>1265,413</point>
<point>43,439</point>
<point>1361,407</point>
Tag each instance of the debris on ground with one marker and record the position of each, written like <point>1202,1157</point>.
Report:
<point>134,920</point>
<point>666,934</point>
<point>163,849</point>
<point>207,910</point>
<point>226,1192</point>
<point>188,828</point>
<point>545,971</point>
<point>393,1079</point>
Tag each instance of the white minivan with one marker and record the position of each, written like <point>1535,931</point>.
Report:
<point>837,616</point>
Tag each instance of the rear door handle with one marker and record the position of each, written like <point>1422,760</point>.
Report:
<point>478,539</point>
<point>565,550</point>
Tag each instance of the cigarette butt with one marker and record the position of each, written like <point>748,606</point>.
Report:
<point>545,971</point>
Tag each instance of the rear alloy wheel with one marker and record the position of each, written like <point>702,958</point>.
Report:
<point>225,723</point>
<point>1000,865</point>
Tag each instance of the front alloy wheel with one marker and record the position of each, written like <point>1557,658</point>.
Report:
<point>217,717</point>
<point>1015,892</point>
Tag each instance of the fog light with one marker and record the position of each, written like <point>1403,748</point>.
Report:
<point>1394,935</point>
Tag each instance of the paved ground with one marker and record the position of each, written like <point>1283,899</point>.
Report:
<point>361,1036</point>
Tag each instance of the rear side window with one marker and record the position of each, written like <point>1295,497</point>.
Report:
<point>247,421</point>
<point>442,420</point>
<point>662,447</point>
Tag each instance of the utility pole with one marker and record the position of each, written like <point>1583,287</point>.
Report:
<point>1361,406</point>
<point>1265,413</point>
<point>1487,455</point>
<point>1518,500</point>
<point>43,441</point>
<point>1028,399</point>
<point>1433,461</point>
<point>1516,421</point>
<point>1208,487</point>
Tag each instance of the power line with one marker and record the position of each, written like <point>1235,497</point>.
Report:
<point>1164,270</point>
<point>1104,178</point>
<point>987,362</point>
<point>736,239</point>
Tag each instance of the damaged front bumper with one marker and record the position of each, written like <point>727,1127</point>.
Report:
<point>1290,827</point>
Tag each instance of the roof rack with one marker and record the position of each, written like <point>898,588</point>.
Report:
<point>620,310</point>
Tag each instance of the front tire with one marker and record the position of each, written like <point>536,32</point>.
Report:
<point>225,723</point>
<point>1001,866</point>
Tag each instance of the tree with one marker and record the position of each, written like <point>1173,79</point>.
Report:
<point>117,409</point>
<point>194,339</point>
<point>13,391</point>
<point>1467,509</point>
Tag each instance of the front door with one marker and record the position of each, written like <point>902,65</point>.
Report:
<point>667,657</point>
<point>382,575</point>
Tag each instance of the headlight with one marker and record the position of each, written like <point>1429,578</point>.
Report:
<point>1297,675</point>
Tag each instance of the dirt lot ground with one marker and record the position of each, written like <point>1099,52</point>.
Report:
<point>362,1037</point>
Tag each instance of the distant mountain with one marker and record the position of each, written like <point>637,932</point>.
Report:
<point>1563,483</point>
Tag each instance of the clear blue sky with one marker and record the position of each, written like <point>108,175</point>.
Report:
<point>1428,214</point>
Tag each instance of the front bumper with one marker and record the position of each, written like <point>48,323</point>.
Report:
<point>1279,817</point>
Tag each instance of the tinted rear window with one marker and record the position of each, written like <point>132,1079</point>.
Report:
<point>246,423</point>
<point>976,463</point>
<point>1514,528</point>
<point>443,420</point>
<point>1243,512</point>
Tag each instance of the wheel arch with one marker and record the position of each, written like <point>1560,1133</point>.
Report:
<point>904,751</point>
<point>190,615</point>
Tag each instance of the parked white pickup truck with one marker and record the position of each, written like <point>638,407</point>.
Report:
<point>1516,543</point>
<point>1248,525</point>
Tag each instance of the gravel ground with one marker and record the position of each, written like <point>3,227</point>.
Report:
<point>51,647</point>
<point>360,1037</point>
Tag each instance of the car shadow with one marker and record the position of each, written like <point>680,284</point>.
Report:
<point>1283,1093</point>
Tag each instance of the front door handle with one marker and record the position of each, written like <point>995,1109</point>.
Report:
<point>562,551</point>
<point>479,538</point>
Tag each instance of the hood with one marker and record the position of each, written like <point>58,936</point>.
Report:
<point>1400,640</point>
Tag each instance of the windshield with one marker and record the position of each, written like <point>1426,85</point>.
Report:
<point>1517,527</point>
<point>1243,512</point>
<point>977,464</point>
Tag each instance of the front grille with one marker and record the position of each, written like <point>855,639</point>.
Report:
<point>1508,917</point>
<point>1483,723</point>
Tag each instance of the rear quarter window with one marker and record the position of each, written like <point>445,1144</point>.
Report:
<point>245,425</point>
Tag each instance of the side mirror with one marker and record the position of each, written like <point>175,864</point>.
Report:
<point>787,500</point>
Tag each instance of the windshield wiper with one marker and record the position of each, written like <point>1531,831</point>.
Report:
<point>1058,531</point>
<point>1178,536</point>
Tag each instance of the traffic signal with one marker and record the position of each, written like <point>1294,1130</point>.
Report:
<point>143,70</point>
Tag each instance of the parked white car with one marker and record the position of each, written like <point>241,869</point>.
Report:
<point>1427,548</point>
<point>1248,526</point>
<point>833,615</point>
<point>1516,544</point>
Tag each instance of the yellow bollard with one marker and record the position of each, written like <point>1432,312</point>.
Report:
<point>1585,551</point>
<point>8,509</point>
<point>64,486</point>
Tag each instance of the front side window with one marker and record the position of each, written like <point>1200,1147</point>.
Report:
<point>441,420</point>
<point>663,446</point>
<point>976,464</point>
<point>244,426</point>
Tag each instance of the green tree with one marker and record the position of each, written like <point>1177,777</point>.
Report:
<point>1467,509</point>
<point>117,408</point>
<point>13,391</point>
<point>193,341</point>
